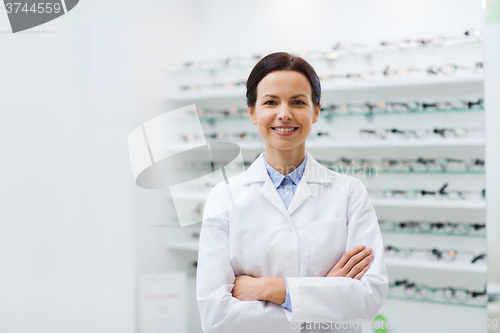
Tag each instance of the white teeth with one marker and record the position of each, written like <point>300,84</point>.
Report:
<point>289,129</point>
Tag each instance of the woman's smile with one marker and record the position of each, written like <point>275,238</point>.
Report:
<point>284,130</point>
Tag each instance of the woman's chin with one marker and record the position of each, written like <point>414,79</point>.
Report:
<point>284,145</point>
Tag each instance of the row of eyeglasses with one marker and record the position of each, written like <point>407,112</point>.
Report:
<point>370,108</point>
<point>448,69</point>
<point>442,193</point>
<point>364,134</point>
<point>425,227</point>
<point>417,133</point>
<point>339,49</point>
<point>223,136</point>
<point>422,291</point>
<point>387,72</point>
<point>432,254</point>
<point>345,164</point>
<point>365,108</point>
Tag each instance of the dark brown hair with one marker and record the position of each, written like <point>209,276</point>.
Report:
<point>285,62</point>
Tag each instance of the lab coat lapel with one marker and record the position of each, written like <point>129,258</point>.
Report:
<point>302,194</point>
<point>313,173</point>
<point>257,172</point>
<point>270,193</point>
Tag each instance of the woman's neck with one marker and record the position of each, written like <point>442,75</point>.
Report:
<point>285,161</point>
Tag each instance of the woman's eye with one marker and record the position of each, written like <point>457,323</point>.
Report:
<point>299,102</point>
<point>269,102</point>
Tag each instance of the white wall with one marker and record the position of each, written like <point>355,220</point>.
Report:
<point>66,226</point>
<point>163,34</point>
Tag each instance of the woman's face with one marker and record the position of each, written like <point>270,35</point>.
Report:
<point>284,112</point>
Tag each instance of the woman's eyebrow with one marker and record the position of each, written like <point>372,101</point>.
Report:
<point>298,95</point>
<point>294,96</point>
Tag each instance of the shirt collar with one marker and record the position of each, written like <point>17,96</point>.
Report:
<point>277,177</point>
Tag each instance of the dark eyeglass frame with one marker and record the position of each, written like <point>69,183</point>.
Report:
<point>451,68</point>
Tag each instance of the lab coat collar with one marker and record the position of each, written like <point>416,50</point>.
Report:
<point>313,173</point>
<point>277,177</point>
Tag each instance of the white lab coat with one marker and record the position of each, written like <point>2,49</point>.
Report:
<point>329,214</point>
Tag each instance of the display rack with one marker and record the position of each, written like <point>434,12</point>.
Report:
<point>333,55</point>
<point>474,84</point>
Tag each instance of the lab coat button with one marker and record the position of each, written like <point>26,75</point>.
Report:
<point>297,312</point>
<point>288,272</point>
<point>287,229</point>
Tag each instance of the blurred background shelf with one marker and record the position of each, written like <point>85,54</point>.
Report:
<point>401,232</point>
<point>430,204</point>
<point>353,144</point>
<point>405,299</point>
<point>332,55</point>
<point>438,265</point>
<point>327,87</point>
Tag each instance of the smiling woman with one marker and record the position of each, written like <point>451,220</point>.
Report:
<point>283,98</point>
<point>303,243</point>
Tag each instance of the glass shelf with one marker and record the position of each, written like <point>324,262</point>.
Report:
<point>369,173</point>
<point>401,298</point>
<point>334,115</point>
<point>461,266</point>
<point>402,232</point>
<point>382,51</point>
<point>330,87</point>
<point>456,172</point>
<point>462,204</point>
<point>332,55</point>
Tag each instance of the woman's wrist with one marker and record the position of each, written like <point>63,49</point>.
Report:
<point>274,289</point>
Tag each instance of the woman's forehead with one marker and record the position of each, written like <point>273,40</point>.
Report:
<point>284,84</point>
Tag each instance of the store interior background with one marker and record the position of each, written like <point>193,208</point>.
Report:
<point>111,65</point>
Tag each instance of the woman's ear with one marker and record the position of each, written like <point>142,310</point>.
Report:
<point>251,114</point>
<point>316,113</point>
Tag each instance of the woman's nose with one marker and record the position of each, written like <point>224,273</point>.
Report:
<point>284,113</point>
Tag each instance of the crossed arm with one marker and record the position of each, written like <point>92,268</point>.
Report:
<point>353,264</point>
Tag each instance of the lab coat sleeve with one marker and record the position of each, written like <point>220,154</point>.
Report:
<point>219,310</point>
<point>344,299</point>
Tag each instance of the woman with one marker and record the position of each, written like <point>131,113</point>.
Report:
<point>288,245</point>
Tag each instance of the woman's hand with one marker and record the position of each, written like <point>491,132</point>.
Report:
<point>248,288</point>
<point>353,263</point>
